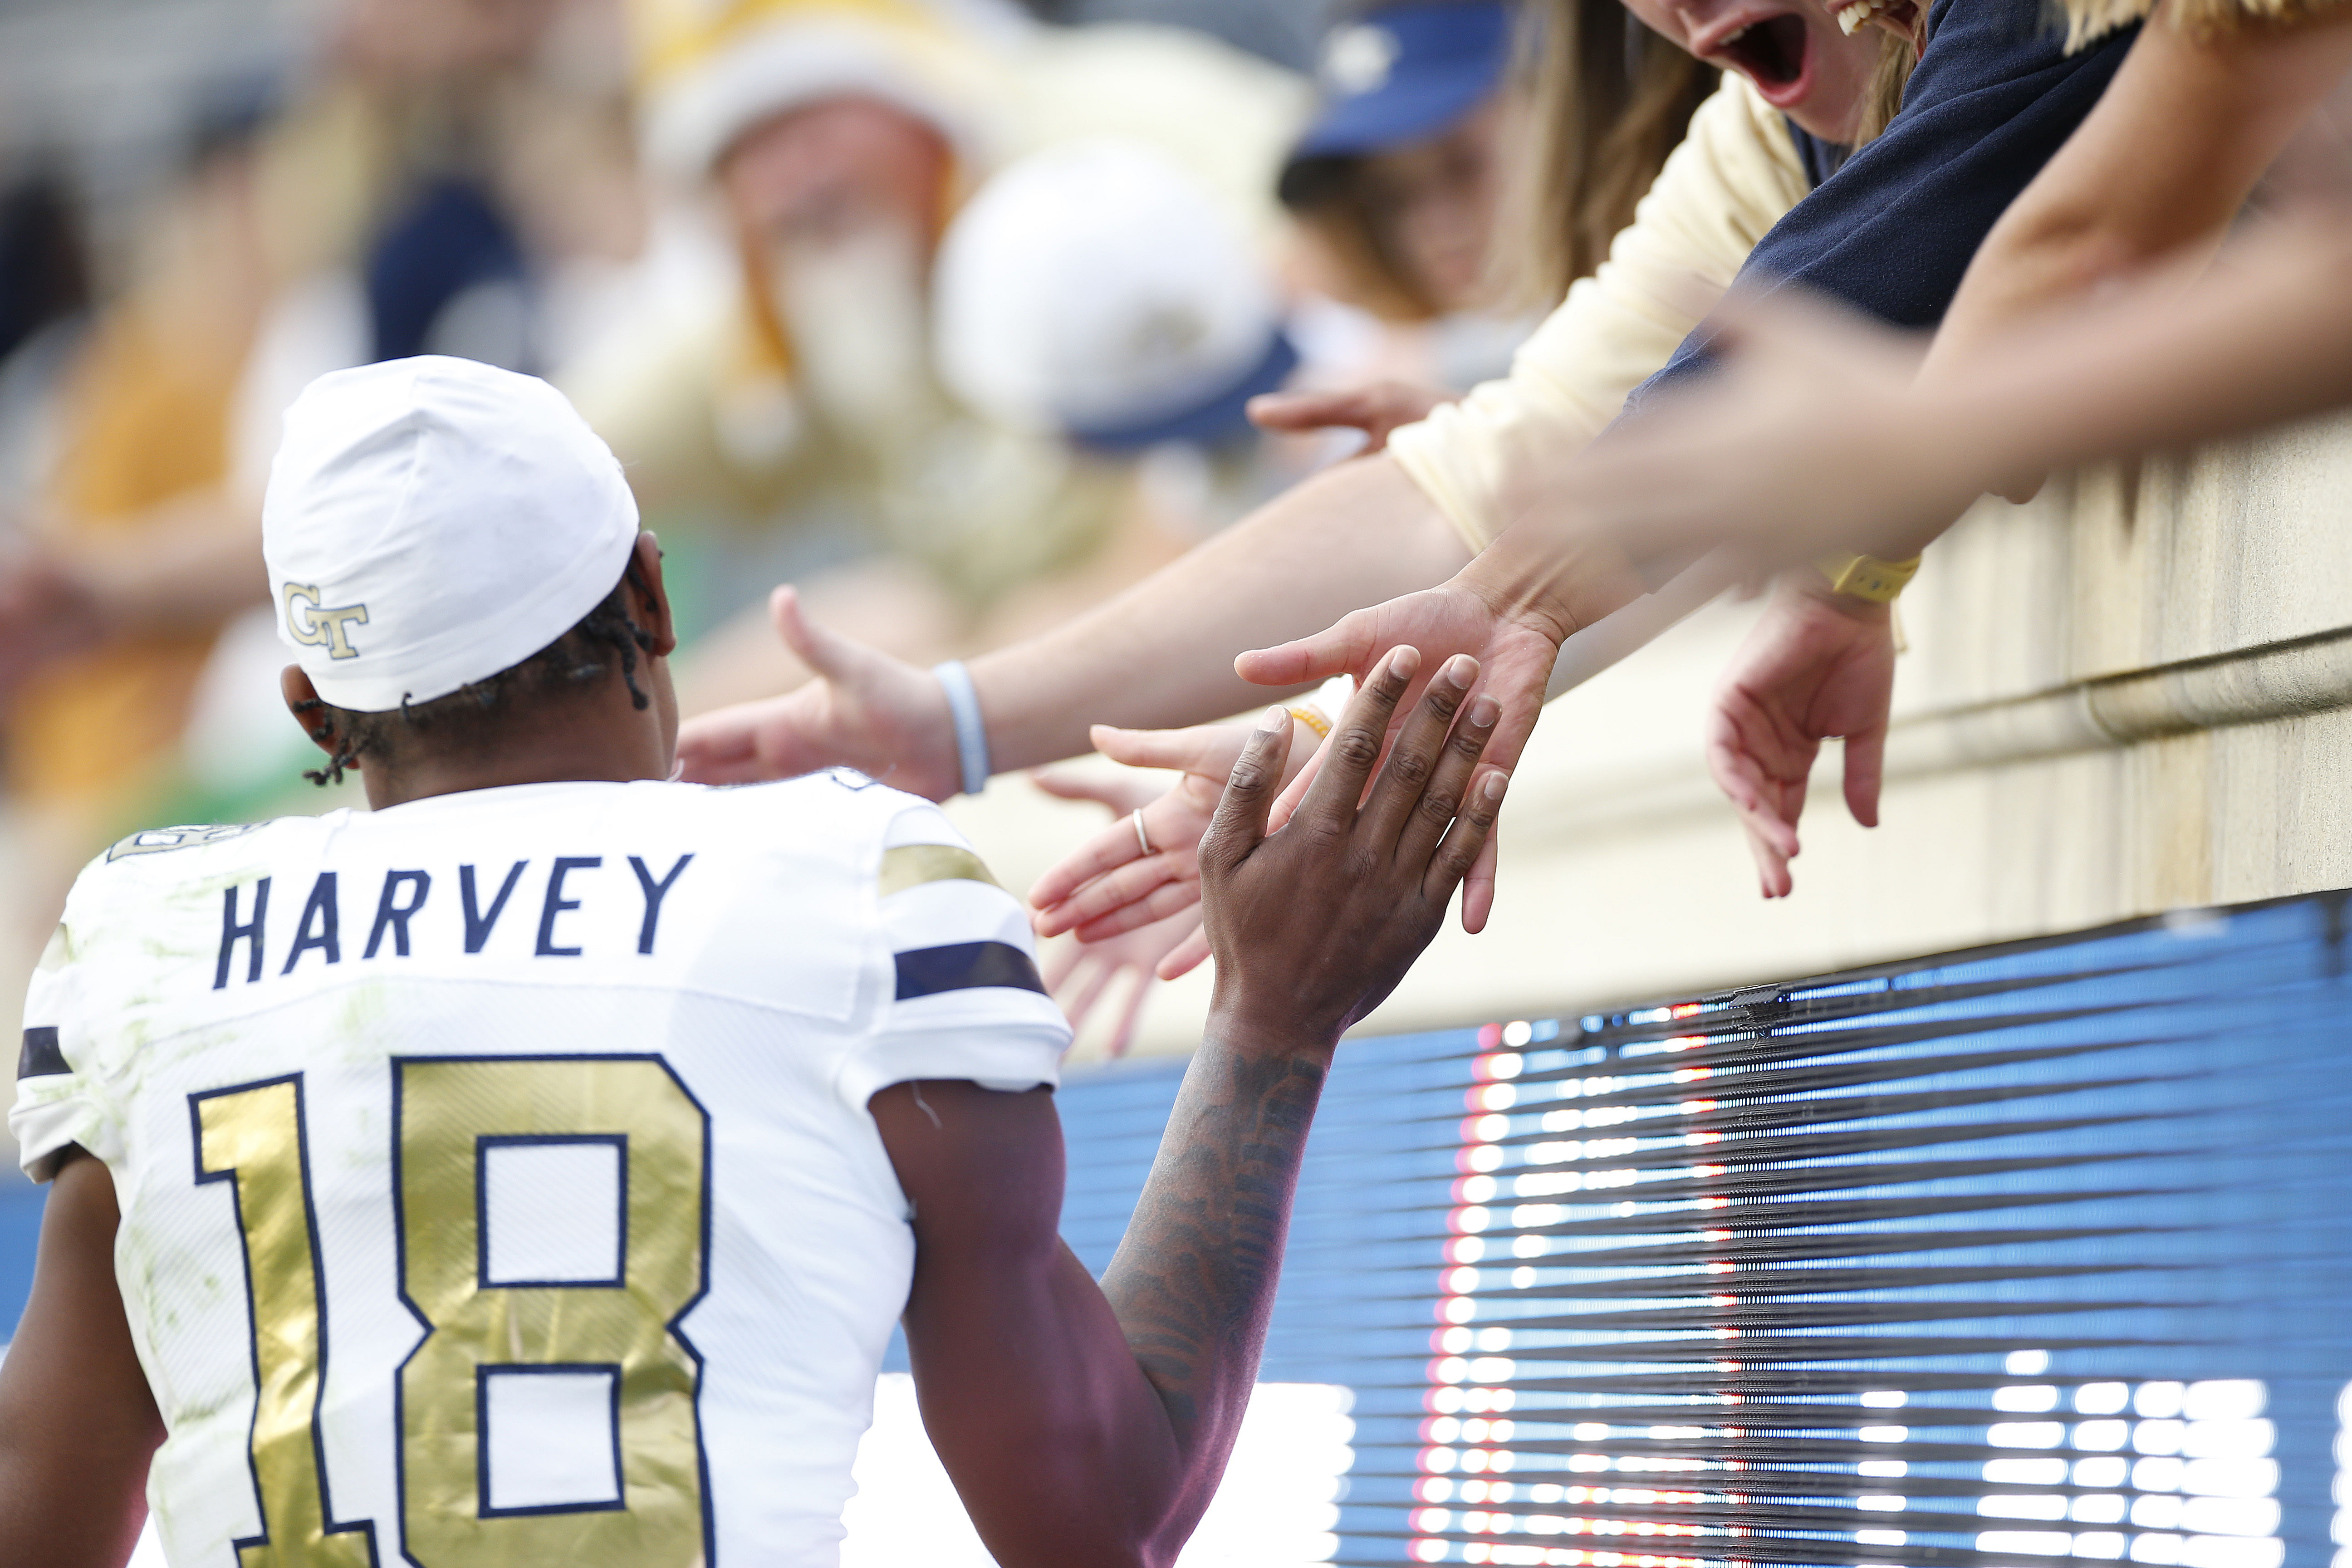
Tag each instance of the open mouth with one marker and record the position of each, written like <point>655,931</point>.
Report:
<point>1772,53</point>
<point>1900,16</point>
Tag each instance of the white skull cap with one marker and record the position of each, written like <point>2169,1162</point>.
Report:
<point>432,521</point>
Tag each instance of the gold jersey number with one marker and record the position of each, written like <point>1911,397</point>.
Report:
<point>448,1112</point>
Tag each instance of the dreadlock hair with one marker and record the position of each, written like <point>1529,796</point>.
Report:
<point>470,715</point>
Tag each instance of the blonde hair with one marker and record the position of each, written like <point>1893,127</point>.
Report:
<point>1601,101</point>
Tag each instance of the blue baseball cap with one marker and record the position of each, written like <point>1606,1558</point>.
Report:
<point>1402,73</point>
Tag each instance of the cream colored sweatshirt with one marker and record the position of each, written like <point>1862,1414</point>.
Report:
<point>1483,460</point>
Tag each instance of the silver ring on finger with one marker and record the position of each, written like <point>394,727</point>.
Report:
<point>1142,839</point>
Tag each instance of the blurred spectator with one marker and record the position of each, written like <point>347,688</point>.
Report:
<point>1398,179</point>
<point>793,423</point>
<point>45,299</point>
<point>44,274</point>
<point>1420,220</point>
<point>425,189</point>
<point>141,443</point>
<point>1095,291</point>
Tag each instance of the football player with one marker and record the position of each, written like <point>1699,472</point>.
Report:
<point>529,1171</point>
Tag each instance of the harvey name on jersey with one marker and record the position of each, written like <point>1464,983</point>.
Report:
<point>543,1107</point>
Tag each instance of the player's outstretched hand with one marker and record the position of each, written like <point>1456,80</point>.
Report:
<point>1515,657</point>
<point>1314,925</point>
<point>865,711</point>
<point>1376,408</point>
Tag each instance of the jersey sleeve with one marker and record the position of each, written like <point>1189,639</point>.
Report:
<point>961,995</point>
<point>59,1101</point>
<point>1482,462</point>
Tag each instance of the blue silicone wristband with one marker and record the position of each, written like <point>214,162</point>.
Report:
<point>971,731</point>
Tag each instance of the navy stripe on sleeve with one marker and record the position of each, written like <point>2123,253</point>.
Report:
<point>42,1058</point>
<point>965,966</point>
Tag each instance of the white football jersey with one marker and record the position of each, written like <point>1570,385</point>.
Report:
<point>496,1180</point>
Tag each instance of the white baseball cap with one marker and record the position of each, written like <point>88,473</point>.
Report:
<point>432,521</point>
<point>1096,288</point>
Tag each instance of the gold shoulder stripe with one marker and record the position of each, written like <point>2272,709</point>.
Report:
<point>912,864</point>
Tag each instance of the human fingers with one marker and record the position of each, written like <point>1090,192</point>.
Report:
<point>1123,1033</point>
<point>1479,886</point>
<point>1163,899</point>
<point>827,652</point>
<point>1120,794</point>
<point>1740,774</point>
<point>1077,999</point>
<point>1376,410</point>
<point>1453,759</point>
<point>1415,753</point>
<point>1295,790</point>
<point>1465,840</point>
<point>1055,962</point>
<point>1773,879</point>
<point>1207,748</point>
<point>1865,766</point>
<point>1187,956</point>
<point>1239,824</point>
<point>1105,852</point>
<point>1296,411</point>
<point>1114,890</point>
<point>1356,744</point>
<point>1343,649</point>
<point>723,746</point>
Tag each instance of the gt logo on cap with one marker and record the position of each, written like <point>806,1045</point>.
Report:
<point>312,627</point>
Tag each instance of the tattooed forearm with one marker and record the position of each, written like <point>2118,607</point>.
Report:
<point>1193,1281</point>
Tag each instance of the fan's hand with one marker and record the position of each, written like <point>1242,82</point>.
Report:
<point>1081,974</point>
<point>1818,664</point>
<point>865,711</point>
<point>1515,655</point>
<point>1376,408</point>
<point>1109,885</point>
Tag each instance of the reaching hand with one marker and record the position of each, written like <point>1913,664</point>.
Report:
<point>1514,656</point>
<point>1080,975</point>
<point>865,711</point>
<point>1376,409</point>
<point>1818,664</point>
<point>1371,880</point>
<point>1109,885</point>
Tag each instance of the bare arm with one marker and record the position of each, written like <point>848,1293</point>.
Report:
<point>1158,656</point>
<point>2163,163</point>
<point>2266,338</point>
<point>1090,1426</point>
<point>77,1422</point>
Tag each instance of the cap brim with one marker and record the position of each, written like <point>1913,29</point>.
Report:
<point>1413,106</point>
<point>1211,423</point>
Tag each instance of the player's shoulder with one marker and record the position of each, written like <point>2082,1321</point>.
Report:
<point>161,857</point>
<point>837,807</point>
<point>141,874</point>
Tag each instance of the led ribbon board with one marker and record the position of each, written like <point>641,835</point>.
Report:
<point>2009,1259</point>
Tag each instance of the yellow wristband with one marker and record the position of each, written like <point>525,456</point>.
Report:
<point>1312,717</point>
<point>1866,576</point>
